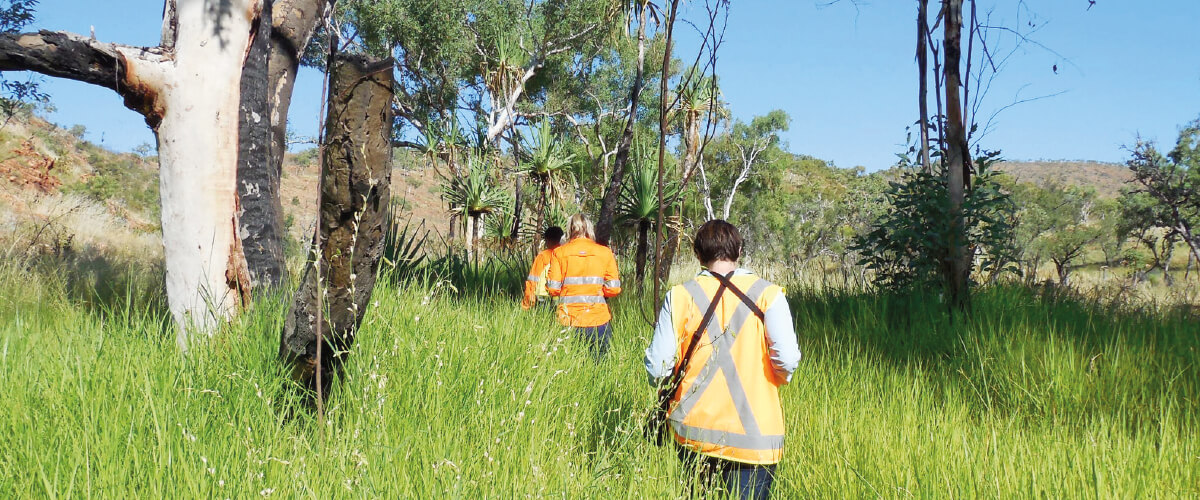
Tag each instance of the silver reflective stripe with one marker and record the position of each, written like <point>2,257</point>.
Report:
<point>722,438</point>
<point>528,278</point>
<point>721,360</point>
<point>582,299</point>
<point>613,284</point>
<point>553,284</point>
<point>583,280</point>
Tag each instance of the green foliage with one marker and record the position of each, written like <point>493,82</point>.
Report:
<point>909,244</point>
<point>639,196</point>
<point>476,193</point>
<point>121,177</point>
<point>1168,196</point>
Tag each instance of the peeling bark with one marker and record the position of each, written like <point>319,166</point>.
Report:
<point>355,177</point>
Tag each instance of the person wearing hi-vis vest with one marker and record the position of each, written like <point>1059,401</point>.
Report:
<point>724,412</point>
<point>583,275</point>
<point>535,283</point>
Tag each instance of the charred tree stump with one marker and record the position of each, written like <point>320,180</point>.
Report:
<point>355,174</point>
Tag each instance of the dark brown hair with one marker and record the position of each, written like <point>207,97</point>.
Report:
<point>717,240</point>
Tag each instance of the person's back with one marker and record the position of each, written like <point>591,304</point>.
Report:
<point>723,398</point>
<point>745,422</point>
<point>583,275</point>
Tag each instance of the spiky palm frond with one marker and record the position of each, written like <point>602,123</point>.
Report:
<point>639,196</point>
<point>475,193</point>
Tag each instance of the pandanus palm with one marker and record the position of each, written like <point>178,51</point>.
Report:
<point>639,202</point>
<point>474,195</point>
<point>547,162</point>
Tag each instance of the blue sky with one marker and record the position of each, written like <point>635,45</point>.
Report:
<point>844,73</point>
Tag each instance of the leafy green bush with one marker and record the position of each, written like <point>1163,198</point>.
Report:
<point>909,244</point>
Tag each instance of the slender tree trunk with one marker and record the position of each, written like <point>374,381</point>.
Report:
<point>293,23</point>
<point>470,240</point>
<point>923,80</point>
<point>662,148</point>
<point>355,186</point>
<point>642,243</point>
<point>541,215</point>
<point>608,207</point>
<point>260,219</point>
<point>957,162</point>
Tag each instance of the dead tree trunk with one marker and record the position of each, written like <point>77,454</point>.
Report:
<point>958,266</point>
<point>355,176</point>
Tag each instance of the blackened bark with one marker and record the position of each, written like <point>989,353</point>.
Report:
<point>662,151</point>
<point>923,81</point>
<point>68,55</point>
<point>355,176</point>
<point>260,219</point>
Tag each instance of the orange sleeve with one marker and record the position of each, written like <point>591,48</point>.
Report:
<point>612,277</point>
<point>530,287</point>
<point>555,277</point>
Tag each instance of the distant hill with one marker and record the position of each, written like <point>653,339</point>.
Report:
<point>1107,178</point>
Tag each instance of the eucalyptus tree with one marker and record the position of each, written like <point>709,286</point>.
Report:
<point>1172,182</point>
<point>736,155</point>
<point>484,57</point>
<point>204,91</point>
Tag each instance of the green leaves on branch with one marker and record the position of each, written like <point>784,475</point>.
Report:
<point>908,246</point>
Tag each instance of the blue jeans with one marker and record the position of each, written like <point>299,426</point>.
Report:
<point>745,481</point>
<point>597,339</point>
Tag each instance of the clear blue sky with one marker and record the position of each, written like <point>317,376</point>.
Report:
<point>845,74</point>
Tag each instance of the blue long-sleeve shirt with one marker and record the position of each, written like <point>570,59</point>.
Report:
<point>781,339</point>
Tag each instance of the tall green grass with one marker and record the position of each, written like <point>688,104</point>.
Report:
<point>455,394</point>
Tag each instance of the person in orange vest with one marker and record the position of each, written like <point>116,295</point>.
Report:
<point>723,377</point>
<point>583,274</point>
<point>535,283</point>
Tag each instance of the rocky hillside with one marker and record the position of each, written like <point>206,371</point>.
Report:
<point>1107,178</point>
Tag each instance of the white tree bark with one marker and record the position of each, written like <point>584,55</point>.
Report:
<point>749,159</point>
<point>197,146</point>
<point>188,89</point>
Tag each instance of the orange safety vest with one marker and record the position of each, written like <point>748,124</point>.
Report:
<point>728,404</point>
<point>582,274</point>
<point>535,283</point>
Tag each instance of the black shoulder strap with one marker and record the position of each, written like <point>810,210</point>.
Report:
<point>677,375</point>
<point>741,295</point>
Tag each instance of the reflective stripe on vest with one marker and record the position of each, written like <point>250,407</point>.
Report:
<point>552,284</point>
<point>583,280</point>
<point>721,360</point>
<point>533,278</point>
<point>582,299</point>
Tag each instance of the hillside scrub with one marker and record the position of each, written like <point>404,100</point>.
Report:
<point>452,392</point>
